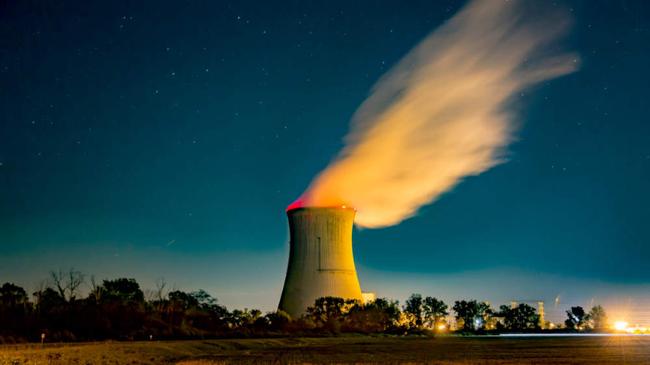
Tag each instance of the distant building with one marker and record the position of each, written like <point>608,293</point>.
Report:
<point>540,311</point>
<point>368,297</point>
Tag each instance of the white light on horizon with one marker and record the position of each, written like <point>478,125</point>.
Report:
<point>620,325</point>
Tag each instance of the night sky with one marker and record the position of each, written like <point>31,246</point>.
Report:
<point>165,139</point>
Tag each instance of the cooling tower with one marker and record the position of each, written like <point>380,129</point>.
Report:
<point>321,263</point>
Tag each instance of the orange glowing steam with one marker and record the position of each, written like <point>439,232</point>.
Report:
<point>444,112</point>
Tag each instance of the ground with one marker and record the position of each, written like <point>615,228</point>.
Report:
<point>366,350</point>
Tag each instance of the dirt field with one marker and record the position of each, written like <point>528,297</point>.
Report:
<point>366,350</point>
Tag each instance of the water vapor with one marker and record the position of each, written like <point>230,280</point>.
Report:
<point>444,112</point>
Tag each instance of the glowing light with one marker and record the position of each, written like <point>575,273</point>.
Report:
<point>299,203</point>
<point>620,325</point>
<point>442,327</point>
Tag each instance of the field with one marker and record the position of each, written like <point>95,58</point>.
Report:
<point>367,350</point>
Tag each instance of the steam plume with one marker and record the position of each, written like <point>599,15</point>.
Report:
<point>442,113</point>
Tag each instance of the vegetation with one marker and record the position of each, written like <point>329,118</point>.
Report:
<point>576,317</point>
<point>120,309</point>
<point>520,318</point>
<point>472,315</point>
<point>597,318</point>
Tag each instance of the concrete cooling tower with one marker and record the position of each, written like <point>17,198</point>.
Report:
<point>320,259</point>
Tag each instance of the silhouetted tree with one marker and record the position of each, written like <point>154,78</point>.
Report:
<point>245,320</point>
<point>14,309</point>
<point>48,301</point>
<point>597,318</point>
<point>12,295</point>
<point>203,299</point>
<point>67,282</point>
<point>278,321</point>
<point>126,291</point>
<point>377,316</point>
<point>159,292</point>
<point>575,318</point>
<point>181,301</point>
<point>209,315</point>
<point>50,309</point>
<point>521,317</point>
<point>117,309</point>
<point>472,314</point>
<point>122,302</point>
<point>414,310</point>
<point>390,309</point>
<point>326,309</point>
<point>435,311</point>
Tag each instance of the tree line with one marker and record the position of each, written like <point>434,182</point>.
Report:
<point>120,309</point>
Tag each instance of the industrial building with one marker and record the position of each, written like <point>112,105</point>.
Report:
<point>321,262</point>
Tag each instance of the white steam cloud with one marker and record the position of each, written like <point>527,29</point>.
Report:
<point>442,113</point>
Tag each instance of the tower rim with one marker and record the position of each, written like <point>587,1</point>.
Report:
<point>317,208</point>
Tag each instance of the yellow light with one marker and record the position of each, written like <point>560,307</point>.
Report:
<point>620,325</point>
<point>442,327</point>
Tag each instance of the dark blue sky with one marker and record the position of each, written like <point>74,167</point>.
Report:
<point>166,138</point>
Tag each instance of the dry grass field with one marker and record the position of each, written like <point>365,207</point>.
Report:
<point>359,350</point>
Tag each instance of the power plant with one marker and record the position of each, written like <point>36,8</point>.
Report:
<point>321,262</point>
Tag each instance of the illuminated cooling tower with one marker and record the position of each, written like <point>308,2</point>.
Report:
<point>320,258</point>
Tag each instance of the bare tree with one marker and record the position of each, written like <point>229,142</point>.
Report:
<point>75,279</point>
<point>96,290</point>
<point>58,280</point>
<point>160,292</point>
<point>149,295</point>
<point>93,284</point>
<point>39,287</point>
<point>67,283</point>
